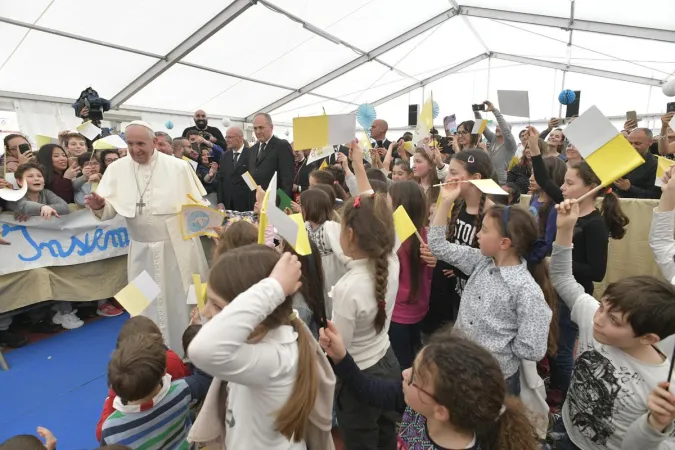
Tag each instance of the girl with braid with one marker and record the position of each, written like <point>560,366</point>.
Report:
<point>363,302</point>
<point>463,226</point>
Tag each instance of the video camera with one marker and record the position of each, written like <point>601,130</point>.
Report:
<point>205,135</point>
<point>96,105</point>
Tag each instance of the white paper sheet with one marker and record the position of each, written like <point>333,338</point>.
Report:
<point>88,130</point>
<point>250,182</point>
<point>191,295</point>
<point>11,178</point>
<point>147,286</point>
<point>477,125</point>
<point>514,103</point>
<point>13,195</point>
<point>320,153</point>
<point>341,128</point>
<point>590,131</point>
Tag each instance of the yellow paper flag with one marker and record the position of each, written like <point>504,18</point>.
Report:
<point>41,140</point>
<point>403,224</point>
<point>663,165</point>
<point>200,290</point>
<point>138,294</point>
<point>302,241</point>
<point>262,225</point>
<point>614,160</point>
<point>323,165</point>
<point>425,122</point>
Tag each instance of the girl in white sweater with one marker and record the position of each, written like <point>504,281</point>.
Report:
<point>257,343</point>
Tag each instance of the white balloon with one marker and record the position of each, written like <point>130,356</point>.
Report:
<point>226,122</point>
<point>669,88</point>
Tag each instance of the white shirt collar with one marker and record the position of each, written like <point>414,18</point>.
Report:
<point>267,141</point>
<point>241,149</point>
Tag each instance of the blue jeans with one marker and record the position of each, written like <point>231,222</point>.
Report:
<point>562,363</point>
<point>406,341</point>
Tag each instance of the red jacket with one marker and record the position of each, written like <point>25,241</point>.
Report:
<point>174,367</point>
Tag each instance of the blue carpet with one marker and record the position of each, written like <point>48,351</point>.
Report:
<point>59,383</point>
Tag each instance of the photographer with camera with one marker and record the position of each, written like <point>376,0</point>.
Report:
<point>199,143</point>
<point>210,134</point>
<point>502,145</point>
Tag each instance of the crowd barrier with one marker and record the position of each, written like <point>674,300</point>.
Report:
<point>75,258</point>
<point>78,258</point>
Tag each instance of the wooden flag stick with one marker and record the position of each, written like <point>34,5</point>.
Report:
<point>589,193</point>
<point>451,182</point>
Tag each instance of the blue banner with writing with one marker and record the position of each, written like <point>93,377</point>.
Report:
<point>75,238</point>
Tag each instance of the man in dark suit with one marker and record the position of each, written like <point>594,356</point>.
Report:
<point>211,134</point>
<point>639,183</point>
<point>269,155</point>
<point>378,137</point>
<point>233,192</point>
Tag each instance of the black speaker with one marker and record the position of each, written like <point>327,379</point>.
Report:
<point>412,115</point>
<point>573,108</point>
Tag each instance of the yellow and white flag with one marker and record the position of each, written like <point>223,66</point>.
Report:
<point>663,165</point>
<point>606,150</point>
<point>138,294</point>
<point>321,131</point>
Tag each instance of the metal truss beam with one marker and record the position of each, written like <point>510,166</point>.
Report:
<point>431,79</point>
<point>579,69</point>
<point>564,23</point>
<point>410,34</point>
<point>236,8</point>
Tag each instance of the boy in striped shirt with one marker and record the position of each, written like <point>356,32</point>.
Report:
<point>151,411</point>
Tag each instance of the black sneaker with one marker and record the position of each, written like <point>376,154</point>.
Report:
<point>12,340</point>
<point>45,326</point>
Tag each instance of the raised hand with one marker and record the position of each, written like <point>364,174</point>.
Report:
<point>72,171</point>
<point>46,212</point>
<point>568,213</point>
<point>661,405</point>
<point>94,201</point>
<point>287,272</point>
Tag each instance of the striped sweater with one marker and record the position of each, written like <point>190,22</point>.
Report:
<point>162,425</point>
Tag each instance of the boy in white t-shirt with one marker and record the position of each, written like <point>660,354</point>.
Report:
<point>619,367</point>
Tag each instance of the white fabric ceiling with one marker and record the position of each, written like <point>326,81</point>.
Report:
<point>275,55</point>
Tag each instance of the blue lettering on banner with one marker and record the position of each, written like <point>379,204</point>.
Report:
<point>118,237</point>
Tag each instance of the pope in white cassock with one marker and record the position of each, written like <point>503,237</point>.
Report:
<point>148,189</point>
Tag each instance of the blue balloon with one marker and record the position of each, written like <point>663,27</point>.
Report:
<point>168,124</point>
<point>435,110</point>
<point>366,115</point>
<point>567,97</point>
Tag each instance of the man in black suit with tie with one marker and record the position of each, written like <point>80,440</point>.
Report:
<point>233,193</point>
<point>269,155</point>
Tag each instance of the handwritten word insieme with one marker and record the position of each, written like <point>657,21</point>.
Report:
<point>101,241</point>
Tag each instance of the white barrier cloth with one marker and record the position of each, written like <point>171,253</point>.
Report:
<point>75,238</point>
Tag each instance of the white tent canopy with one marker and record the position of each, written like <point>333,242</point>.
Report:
<point>292,58</point>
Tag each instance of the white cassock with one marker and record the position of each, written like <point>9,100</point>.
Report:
<point>150,196</point>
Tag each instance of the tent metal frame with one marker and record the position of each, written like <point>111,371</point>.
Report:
<point>237,7</point>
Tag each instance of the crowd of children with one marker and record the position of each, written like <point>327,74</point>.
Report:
<point>436,342</point>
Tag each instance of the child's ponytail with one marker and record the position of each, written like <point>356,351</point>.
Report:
<point>615,219</point>
<point>370,219</point>
<point>513,429</point>
<point>293,417</point>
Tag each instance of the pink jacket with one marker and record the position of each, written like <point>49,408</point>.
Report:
<point>405,312</point>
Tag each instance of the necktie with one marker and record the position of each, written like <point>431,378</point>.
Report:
<point>261,151</point>
<point>236,157</point>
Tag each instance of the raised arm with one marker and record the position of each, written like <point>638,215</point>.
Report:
<point>463,257</point>
<point>539,169</point>
<point>560,268</point>
<point>221,348</point>
<point>489,134</point>
<point>666,148</point>
<point>510,144</point>
<point>663,228</point>
<point>359,168</point>
<point>56,202</point>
